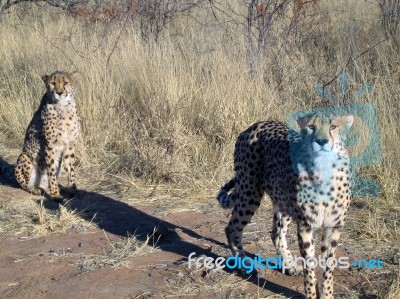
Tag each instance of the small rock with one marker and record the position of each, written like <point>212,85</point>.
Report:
<point>161,266</point>
<point>53,252</point>
<point>172,281</point>
<point>395,260</point>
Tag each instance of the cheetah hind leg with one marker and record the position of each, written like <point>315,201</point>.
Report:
<point>28,175</point>
<point>245,208</point>
<point>68,164</point>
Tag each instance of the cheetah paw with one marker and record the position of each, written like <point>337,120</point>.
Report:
<point>56,197</point>
<point>294,271</point>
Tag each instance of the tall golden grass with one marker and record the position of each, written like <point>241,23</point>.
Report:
<point>169,112</point>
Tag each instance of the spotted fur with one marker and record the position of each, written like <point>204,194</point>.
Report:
<point>307,177</point>
<point>50,139</point>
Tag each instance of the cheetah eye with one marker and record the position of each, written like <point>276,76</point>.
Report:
<point>53,83</point>
<point>66,83</point>
<point>333,127</point>
<point>311,126</point>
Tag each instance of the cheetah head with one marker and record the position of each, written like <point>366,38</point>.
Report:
<point>59,85</point>
<point>323,134</point>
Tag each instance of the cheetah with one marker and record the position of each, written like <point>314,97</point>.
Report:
<point>50,139</point>
<point>307,176</point>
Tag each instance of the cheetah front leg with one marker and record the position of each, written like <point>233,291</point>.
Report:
<point>330,239</point>
<point>68,160</point>
<point>307,251</point>
<point>278,235</point>
<point>52,167</point>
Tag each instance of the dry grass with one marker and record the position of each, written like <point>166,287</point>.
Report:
<point>188,282</point>
<point>120,255</point>
<point>31,218</point>
<point>46,222</point>
<point>394,291</point>
<point>169,112</point>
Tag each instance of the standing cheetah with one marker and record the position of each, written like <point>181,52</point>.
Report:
<point>307,176</point>
<point>50,138</point>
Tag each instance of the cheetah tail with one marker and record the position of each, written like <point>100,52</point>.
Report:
<point>227,200</point>
<point>7,170</point>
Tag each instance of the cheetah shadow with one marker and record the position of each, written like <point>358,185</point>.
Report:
<point>121,219</point>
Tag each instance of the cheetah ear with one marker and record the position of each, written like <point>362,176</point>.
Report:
<point>300,115</point>
<point>302,118</point>
<point>346,121</point>
<point>45,78</point>
<point>75,75</point>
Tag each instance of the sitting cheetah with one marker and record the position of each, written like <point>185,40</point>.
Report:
<point>50,138</point>
<point>307,176</point>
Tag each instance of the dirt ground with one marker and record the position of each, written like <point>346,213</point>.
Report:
<point>95,258</point>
